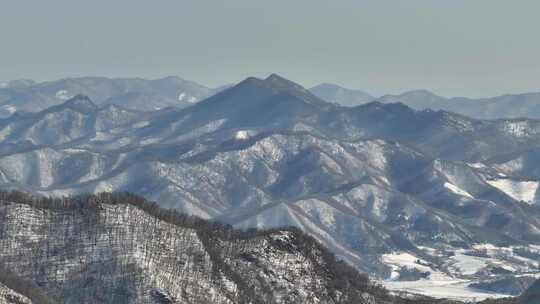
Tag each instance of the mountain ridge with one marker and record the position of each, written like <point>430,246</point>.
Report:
<point>220,247</point>
<point>135,93</point>
<point>507,106</point>
<point>381,185</point>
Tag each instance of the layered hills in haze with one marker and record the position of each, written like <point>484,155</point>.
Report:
<point>142,94</point>
<point>505,106</point>
<point>134,93</point>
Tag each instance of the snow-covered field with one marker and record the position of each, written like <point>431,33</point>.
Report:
<point>460,269</point>
<point>403,259</point>
<point>451,289</point>
<point>468,265</point>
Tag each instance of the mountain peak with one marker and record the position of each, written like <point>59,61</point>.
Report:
<point>274,83</point>
<point>275,77</point>
<point>423,93</point>
<point>327,86</point>
<point>283,83</point>
<point>81,103</point>
<point>171,79</point>
<point>338,94</point>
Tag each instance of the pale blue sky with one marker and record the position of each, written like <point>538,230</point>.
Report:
<point>453,47</point>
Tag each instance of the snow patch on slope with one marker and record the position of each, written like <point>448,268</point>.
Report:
<point>468,265</point>
<point>63,95</point>
<point>184,97</point>
<point>477,165</point>
<point>9,109</point>
<point>519,128</point>
<point>241,135</point>
<point>457,190</point>
<point>520,190</point>
<point>403,259</point>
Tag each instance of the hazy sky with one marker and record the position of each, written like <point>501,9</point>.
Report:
<point>453,47</point>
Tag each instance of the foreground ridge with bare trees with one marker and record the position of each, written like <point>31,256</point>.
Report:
<point>120,248</point>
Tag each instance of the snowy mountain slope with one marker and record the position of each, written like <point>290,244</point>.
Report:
<point>349,195</point>
<point>120,249</point>
<point>499,107</point>
<point>515,174</point>
<point>518,164</point>
<point>366,182</point>
<point>278,104</point>
<point>57,125</point>
<point>443,134</point>
<point>260,104</point>
<point>77,122</point>
<point>133,93</point>
<point>275,103</point>
<point>345,97</point>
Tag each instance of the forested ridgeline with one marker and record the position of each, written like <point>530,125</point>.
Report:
<point>229,251</point>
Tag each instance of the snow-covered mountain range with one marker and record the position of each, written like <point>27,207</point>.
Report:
<point>425,201</point>
<point>25,95</point>
<point>498,107</point>
<point>133,93</point>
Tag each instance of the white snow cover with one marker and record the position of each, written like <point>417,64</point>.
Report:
<point>184,97</point>
<point>513,165</point>
<point>519,190</point>
<point>457,190</point>
<point>63,95</point>
<point>437,284</point>
<point>9,109</point>
<point>468,265</point>
<point>402,259</point>
<point>449,289</point>
<point>454,284</point>
<point>141,124</point>
<point>519,128</point>
<point>241,135</point>
<point>477,165</point>
<point>398,260</point>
